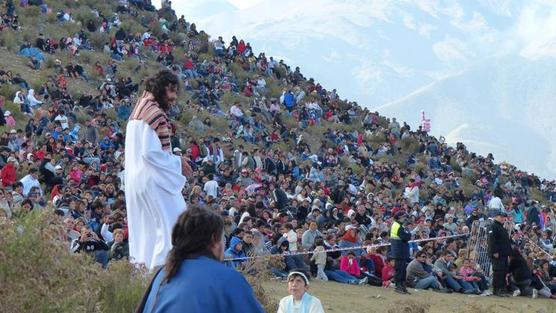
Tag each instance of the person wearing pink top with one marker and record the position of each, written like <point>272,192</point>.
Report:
<point>10,120</point>
<point>349,264</point>
<point>470,275</point>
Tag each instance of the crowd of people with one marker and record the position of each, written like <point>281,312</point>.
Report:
<point>279,192</point>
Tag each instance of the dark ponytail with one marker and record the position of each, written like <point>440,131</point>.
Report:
<point>195,230</point>
<point>157,84</point>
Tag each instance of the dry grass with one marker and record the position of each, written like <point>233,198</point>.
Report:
<point>366,299</point>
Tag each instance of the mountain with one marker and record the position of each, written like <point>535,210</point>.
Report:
<point>381,53</point>
<point>506,106</point>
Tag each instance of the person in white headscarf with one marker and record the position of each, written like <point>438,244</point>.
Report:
<point>299,300</point>
<point>32,100</point>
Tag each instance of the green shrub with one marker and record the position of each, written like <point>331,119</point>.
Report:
<point>186,117</point>
<point>274,89</point>
<point>156,30</point>
<point>37,271</point>
<point>131,25</point>
<point>8,40</point>
<point>123,288</point>
<point>30,12</point>
<point>51,18</point>
<point>106,8</point>
<point>410,145</point>
<point>98,40</point>
<point>8,91</point>
<point>178,38</point>
<point>83,14</point>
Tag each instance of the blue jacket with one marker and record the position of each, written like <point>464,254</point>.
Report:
<point>202,285</point>
<point>289,100</point>
<point>232,253</point>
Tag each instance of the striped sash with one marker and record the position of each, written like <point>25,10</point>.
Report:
<point>147,110</point>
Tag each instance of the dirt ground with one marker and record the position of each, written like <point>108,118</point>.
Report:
<point>367,299</point>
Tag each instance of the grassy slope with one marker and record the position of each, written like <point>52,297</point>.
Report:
<point>366,299</point>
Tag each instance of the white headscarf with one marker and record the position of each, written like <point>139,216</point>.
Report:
<point>31,98</point>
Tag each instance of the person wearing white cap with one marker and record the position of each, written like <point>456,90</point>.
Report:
<point>10,120</point>
<point>186,169</point>
<point>299,300</point>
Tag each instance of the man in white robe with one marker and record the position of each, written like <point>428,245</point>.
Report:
<point>153,175</point>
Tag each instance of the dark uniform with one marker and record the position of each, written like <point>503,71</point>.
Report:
<point>499,242</point>
<point>399,250</point>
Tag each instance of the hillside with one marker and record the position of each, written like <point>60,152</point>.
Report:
<point>200,49</point>
<point>364,46</point>
<point>272,124</point>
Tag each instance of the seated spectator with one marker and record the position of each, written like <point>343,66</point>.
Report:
<point>388,273</point>
<point>8,174</point>
<point>350,239</point>
<point>417,277</point>
<point>119,248</point>
<point>34,63</point>
<point>472,276</point>
<point>447,274</point>
<point>89,242</point>
<point>10,120</point>
<point>30,180</point>
<point>299,299</point>
<point>235,251</point>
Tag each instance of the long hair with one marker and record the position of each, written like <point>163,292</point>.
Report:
<point>157,84</point>
<point>193,232</point>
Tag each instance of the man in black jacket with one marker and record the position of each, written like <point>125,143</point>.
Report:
<point>521,275</point>
<point>399,249</point>
<point>499,250</point>
<point>279,196</point>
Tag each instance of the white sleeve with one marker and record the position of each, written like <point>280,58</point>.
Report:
<point>292,238</point>
<point>316,306</point>
<point>74,246</point>
<point>106,234</point>
<point>281,306</point>
<point>166,167</point>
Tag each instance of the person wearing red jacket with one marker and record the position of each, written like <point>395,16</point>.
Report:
<point>8,175</point>
<point>349,264</point>
<point>388,272</point>
<point>378,260</point>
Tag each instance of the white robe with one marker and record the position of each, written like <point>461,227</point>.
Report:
<point>153,185</point>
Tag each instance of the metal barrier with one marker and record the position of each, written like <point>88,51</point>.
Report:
<point>477,245</point>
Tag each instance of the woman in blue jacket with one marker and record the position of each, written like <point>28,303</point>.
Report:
<point>194,280</point>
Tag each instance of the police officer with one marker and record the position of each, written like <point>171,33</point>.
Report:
<point>499,251</point>
<point>399,249</point>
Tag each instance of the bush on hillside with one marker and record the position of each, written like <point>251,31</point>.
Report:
<point>8,91</point>
<point>40,274</point>
<point>30,12</point>
<point>37,271</point>
<point>98,40</point>
<point>83,14</point>
<point>8,39</point>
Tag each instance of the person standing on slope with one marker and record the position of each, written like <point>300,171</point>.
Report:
<point>499,251</point>
<point>399,245</point>
<point>153,175</point>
